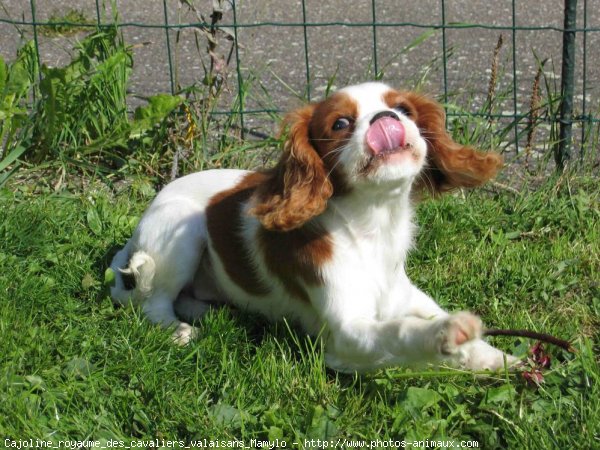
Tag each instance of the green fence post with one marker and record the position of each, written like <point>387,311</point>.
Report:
<point>562,150</point>
<point>514,58</point>
<point>35,40</point>
<point>98,13</point>
<point>306,60</point>
<point>171,79</point>
<point>444,60</point>
<point>585,120</point>
<point>375,62</point>
<point>238,68</point>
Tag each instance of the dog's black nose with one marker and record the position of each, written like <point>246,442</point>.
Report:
<point>381,114</point>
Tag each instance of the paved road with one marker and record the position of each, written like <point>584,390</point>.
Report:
<point>275,55</point>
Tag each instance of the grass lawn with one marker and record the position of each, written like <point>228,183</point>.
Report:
<point>74,367</point>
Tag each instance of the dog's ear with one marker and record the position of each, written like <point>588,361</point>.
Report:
<point>298,187</point>
<point>449,165</point>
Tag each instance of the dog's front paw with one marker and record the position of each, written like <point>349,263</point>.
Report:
<point>479,355</point>
<point>456,330</point>
<point>184,333</point>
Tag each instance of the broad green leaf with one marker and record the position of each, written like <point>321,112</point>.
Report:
<point>121,60</point>
<point>93,220</point>
<point>494,396</point>
<point>320,426</point>
<point>224,414</point>
<point>36,382</point>
<point>159,106</point>
<point>512,235</point>
<point>12,157</point>
<point>79,368</point>
<point>275,433</point>
<point>420,399</point>
<point>17,79</point>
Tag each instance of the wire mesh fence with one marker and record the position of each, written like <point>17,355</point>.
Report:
<point>482,59</point>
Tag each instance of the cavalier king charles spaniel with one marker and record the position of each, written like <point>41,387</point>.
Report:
<point>320,239</point>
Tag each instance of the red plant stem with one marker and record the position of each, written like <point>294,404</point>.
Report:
<point>566,345</point>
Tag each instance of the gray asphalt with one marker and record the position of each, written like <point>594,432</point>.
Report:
<point>275,57</point>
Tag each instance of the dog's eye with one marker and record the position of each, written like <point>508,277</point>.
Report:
<point>341,124</point>
<point>403,110</point>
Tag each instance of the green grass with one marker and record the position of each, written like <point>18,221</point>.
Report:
<point>75,367</point>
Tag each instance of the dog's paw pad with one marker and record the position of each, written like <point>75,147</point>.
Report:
<point>456,330</point>
<point>184,333</point>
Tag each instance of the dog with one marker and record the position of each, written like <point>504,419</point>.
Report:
<point>320,239</point>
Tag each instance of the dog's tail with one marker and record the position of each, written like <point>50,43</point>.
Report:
<point>141,267</point>
<point>133,278</point>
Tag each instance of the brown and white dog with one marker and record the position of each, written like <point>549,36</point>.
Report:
<point>320,239</point>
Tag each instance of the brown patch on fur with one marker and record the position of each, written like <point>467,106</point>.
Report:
<point>449,165</point>
<point>296,256</point>
<point>298,186</point>
<point>395,99</point>
<point>327,141</point>
<point>307,174</point>
<point>223,220</point>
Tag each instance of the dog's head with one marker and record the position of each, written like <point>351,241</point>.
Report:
<point>364,137</point>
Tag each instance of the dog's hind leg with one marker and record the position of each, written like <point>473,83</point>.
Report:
<point>196,300</point>
<point>190,308</point>
<point>159,308</point>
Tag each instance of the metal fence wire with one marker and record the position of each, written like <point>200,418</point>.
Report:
<point>465,52</point>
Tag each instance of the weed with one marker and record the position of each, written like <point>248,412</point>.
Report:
<point>74,21</point>
<point>16,84</point>
<point>493,83</point>
<point>83,103</point>
<point>79,123</point>
<point>534,113</point>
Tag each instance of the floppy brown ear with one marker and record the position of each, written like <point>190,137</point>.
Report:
<point>298,188</point>
<point>449,164</point>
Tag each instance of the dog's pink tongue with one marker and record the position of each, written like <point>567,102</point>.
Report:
<point>384,135</point>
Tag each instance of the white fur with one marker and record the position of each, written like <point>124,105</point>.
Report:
<point>371,314</point>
